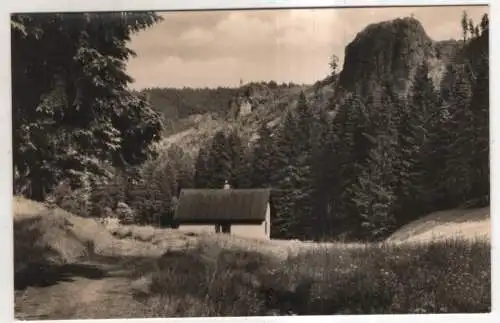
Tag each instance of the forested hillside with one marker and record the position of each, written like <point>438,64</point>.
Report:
<point>176,103</point>
<point>400,131</point>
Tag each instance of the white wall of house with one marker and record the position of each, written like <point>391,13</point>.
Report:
<point>254,231</point>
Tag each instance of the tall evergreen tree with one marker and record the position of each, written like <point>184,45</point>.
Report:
<point>239,166</point>
<point>219,161</point>
<point>373,192</point>
<point>484,23</point>
<point>324,168</point>
<point>78,113</point>
<point>351,148</point>
<point>459,175</point>
<point>202,169</point>
<point>479,106</point>
<point>293,177</point>
<point>415,189</point>
<point>262,159</point>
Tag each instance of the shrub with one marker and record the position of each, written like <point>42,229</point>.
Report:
<point>125,213</point>
<point>76,201</point>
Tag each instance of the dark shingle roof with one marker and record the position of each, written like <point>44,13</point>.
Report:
<point>212,205</point>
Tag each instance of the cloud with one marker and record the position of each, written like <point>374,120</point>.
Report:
<point>211,48</point>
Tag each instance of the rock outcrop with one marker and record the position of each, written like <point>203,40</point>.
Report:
<point>391,51</point>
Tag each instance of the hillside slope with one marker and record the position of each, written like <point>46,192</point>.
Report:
<point>386,51</point>
<point>268,106</point>
<point>468,224</point>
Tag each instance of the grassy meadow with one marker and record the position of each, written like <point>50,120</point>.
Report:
<point>177,274</point>
<point>442,277</point>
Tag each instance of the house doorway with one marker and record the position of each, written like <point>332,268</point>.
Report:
<point>226,228</point>
<point>223,228</point>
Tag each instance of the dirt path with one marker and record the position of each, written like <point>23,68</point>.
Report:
<point>99,297</point>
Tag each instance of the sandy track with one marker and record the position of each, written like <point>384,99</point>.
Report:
<point>81,298</point>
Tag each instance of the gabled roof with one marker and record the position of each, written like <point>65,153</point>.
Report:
<point>219,205</point>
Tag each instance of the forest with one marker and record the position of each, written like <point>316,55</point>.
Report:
<point>357,169</point>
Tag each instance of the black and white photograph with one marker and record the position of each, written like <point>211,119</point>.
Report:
<point>251,162</point>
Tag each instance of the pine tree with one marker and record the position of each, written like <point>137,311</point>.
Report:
<point>293,177</point>
<point>238,167</point>
<point>351,148</point>
<point>324,168</point>
<point>262,158</point>
<point>465,25</point>
<point>183,165</point>
<point>479,106</point>
<point>459,175</point>
<point>220,161</point>
<point>78,113</point>
<point>373,192</point>
<point>484,23</point>
<point>415,186</point>
<point>202,169</point>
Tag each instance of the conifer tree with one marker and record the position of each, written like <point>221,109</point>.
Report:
<point>262,158</point>
<point>293,177</point>
<point>479,106</point>
<point>415,171</point>
<point>373,192</point>
<point>202,169</point>
<point>459,175</point>
<point>238,163</point>
<point>79,113</point>
<point>220,161</point>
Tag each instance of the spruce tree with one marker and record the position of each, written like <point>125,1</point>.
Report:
<point>238,163</point>
<point>351,148</point>
<point>479,106</point>
<point>79,113</point>
<point>262,158</point>
<point>202,169</point>
<point>373,192</point>
<point>462,146</point>
<point>416,171</point>
<point>219,161</point>
<point>293,178</point>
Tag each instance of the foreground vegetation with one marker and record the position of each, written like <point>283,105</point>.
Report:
<point>172,273</point>
<point>441,277</point>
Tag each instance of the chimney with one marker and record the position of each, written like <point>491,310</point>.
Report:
<point>226,185</point>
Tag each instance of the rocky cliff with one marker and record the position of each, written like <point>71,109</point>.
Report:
<point>391,51</point>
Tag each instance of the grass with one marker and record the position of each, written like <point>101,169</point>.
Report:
<point>52,236</point>
<point>45,237</point>
<point>175,274</point>
<point>450,276</point>
<point>468,224</point>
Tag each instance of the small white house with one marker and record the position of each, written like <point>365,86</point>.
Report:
<point>239,212</point>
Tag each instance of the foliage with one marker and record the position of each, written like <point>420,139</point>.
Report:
<point>175,104</point>
<point>78,113</point>
<point>223,160</point>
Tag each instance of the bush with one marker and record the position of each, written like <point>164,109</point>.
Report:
<point>76,201</point>
<point>125,213</point>
<point>225,282</point>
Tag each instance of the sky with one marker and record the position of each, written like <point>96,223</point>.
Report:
<point>220,48</point>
